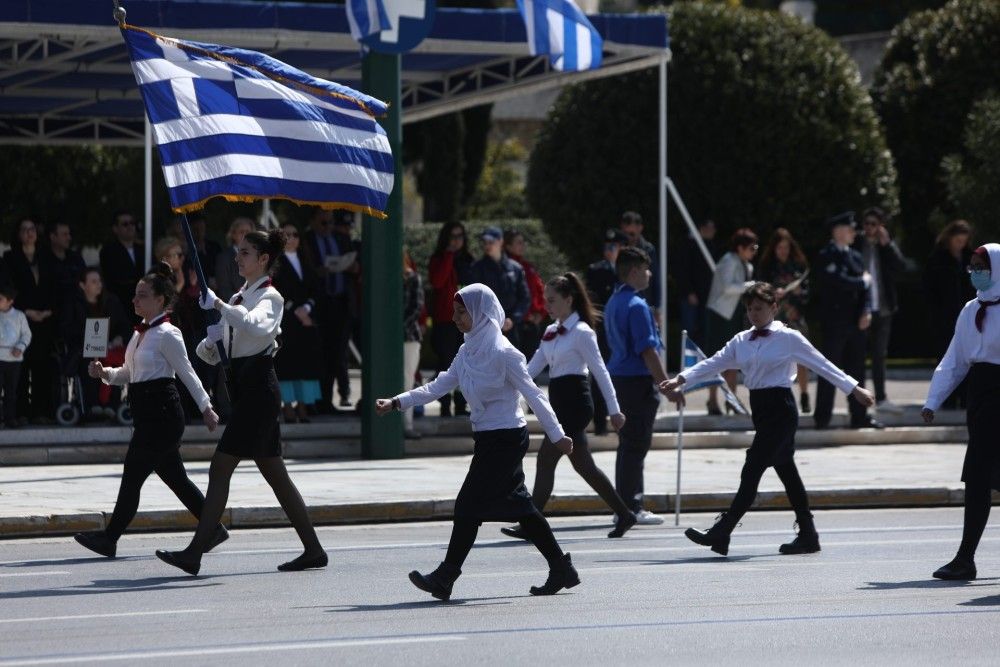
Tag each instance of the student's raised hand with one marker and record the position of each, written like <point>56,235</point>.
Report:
<point>95,369</point>
<point>210,418</point>
<point>617,421</point>
<point>565,445</point>
<point>863,396</point>
<point>928,415</point>
<point>383,406</point>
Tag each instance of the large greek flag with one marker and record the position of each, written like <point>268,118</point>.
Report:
<point>558,28</point>
<point>241,125</point>
<point>366,17</point>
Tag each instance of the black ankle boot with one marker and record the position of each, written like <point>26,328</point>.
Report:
<point>439,582</point>
<point>961,568</point>
<point>806,542</point>
<point>716,537</point>
<point>98,542</point>
<point>563,575</point>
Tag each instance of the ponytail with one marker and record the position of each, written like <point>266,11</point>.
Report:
<point>570,285</point>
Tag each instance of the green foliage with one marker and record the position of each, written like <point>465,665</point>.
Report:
<point>769,126</point>
<point>500,190</point>
<point>937,64</point>
<point>973,179</point>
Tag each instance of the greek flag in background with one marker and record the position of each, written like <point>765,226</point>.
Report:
<point>692,355</point>
<point>558,28</point>
<point>366,17</point>
<point>241,125</point>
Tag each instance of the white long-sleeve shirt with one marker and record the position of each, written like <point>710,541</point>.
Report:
<point>968,346</point>
<point>573,353</point>
<point>501,408</point>
<point>769,361</point>
<point>253,325</point>
<point>731,278</point>
<point>160,354</point>
<point>15,334</point>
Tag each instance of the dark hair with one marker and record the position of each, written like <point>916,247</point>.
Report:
<point>15,233</point>
<point>272,243</point>
<point>628,259</point>
<point>82,276</point>
<point>53,227</point>
<point>794,250</point>
<point>743,236</point>
<point>630,218</point>
<point>570,285</point>
<point>8,291</point>
<point>162,281</point>
<point>119,213</point>
<point>875,212</point>
<point>510,234</point>
<point>760,291</point>
<point>444,239</point>
<point>952,229</point>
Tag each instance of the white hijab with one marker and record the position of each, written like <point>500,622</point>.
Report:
<point>481,365</point>
<point>993,293</point>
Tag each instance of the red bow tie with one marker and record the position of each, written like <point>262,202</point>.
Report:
<point>981,313</point>
<point>759,333</point>
<point>142,327</point>
<point>239,295</point>
<point>551,335</point>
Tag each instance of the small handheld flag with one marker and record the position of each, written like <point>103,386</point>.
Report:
<point>692,355</point>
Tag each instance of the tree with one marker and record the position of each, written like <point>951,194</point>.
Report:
<point>973,178</point>
<point>769,126</point>
<point>936,65</point>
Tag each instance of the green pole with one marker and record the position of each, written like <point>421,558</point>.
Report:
<point>382,262</point>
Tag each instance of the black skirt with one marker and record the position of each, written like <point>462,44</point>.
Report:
<point>156,414</point>
<point>570,398</point>
<point>253,430</point>
<point>494,487</point>
<point>982,456</point>
<point>775,420</point>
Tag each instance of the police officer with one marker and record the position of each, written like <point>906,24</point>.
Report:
<point>845,315</point>
<point>505,278</point>
<point>601,279</point>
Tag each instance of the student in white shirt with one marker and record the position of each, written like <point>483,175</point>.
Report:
<point>154,354</point>
<point>974,355</point>
<point>250,325</point>
<point>767,354</point>
<point>569,348</point>
<point>491,373</point>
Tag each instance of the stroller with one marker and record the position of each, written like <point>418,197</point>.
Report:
<point>73,403</point>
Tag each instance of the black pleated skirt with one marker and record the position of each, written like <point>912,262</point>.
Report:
<point>570,398</point>
<point>494,487</point>
<point>254,430</point>
<point>775,420</point>
<point>982,456</point>
<point>157,416</point>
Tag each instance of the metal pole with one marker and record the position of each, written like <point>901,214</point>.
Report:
<point>690,223</point>
<point>203,287</point>
<point>148,188</point>
<point>680,439</point>
<point>663,205</point>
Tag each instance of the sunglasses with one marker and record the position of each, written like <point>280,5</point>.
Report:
<point>293,235</point>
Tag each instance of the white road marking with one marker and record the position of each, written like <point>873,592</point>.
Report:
<point>33,574</point>
<point>42,619</point>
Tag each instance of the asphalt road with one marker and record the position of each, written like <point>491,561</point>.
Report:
<point>649,599</point>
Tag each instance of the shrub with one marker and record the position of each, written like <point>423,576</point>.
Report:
<point>973,179</point>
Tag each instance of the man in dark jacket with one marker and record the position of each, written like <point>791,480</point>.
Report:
<point>122,259</point>
<point>505,277</point>
<point>601,280</point>
<point>694,280</point>
<point>631,225</point>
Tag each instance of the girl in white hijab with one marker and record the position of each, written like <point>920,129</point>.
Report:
<point>974,352</point>
<point>492,374</point>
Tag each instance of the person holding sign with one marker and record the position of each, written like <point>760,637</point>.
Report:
<point>154,354</point>
<point>767,354</point>
<point>250,325</point>
<point>15,337</point>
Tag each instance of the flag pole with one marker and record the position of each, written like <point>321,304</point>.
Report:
<point>203,286</point>
<point>680,438</point>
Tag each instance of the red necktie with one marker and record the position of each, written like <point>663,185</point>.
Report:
<point>981,313</point>
<point>142,327</point>
<point>551,335</point>
<point>759,333</point>
<point>239,295</point>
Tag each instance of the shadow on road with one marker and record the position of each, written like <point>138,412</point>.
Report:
<point>101,586</point>
<point>49,562</point>
<point>988,601</point>
<point>920,583</point>
<point>427,604</point>
<point>684,561</point>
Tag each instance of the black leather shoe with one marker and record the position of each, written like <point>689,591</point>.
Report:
<point>805,403</point>
<point>177,560</point>
<point>563,575</point>
<point>820,426</point>
<point>959,569</point>
<point>439,582</point>
<point>305,562</point>
<point>98,542</point>
<point>220,536</point>
<point>514,531</point>
<point>713,408</point>
<point>804,543</point>
<point>867,422</point>
<point>623,524</point>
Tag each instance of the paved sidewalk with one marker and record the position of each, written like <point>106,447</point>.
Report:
<point>56,499</point>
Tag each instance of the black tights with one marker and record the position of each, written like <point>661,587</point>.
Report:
<point>750,480</point>
<point>463,536</point>
<point>978,498</point>
<point>139,464</point>
<point>583,463</point>
<point>273,469</point>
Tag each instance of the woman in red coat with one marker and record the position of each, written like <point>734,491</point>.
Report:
<point>448,271</point>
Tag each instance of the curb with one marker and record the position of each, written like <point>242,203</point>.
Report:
<point>442,509</point>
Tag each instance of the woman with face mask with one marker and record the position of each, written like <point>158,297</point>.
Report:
<point>974,354</point>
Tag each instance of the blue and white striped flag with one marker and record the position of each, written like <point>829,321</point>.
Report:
<point>366,17</point>
<point>558,28</point>
<point>692,355</point>
<point>241,125</point>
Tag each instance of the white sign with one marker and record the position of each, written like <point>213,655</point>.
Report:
<point>95,337</point>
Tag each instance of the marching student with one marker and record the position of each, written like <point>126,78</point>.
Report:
<point>569,348</point>
<point>974,356</point>
<point>767,354</point>
<point>250,324</point>
<point>154,354</point>
<point>491,373</point>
